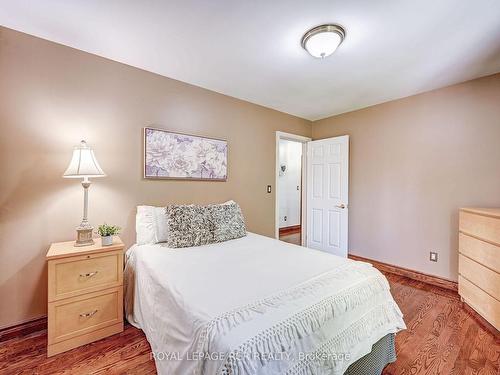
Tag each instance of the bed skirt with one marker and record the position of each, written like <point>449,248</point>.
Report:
<point>383,352</point>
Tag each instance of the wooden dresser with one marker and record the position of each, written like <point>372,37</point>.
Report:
<point>85,293</point>
<point>479,261</point>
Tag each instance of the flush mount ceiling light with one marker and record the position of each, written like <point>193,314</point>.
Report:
<point>321,41</point>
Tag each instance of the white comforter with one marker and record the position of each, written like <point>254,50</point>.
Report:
<point>256,305</point>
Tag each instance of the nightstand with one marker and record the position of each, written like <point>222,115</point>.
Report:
<point>85,293</point>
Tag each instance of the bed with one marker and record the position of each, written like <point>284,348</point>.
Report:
<point>256,305</point>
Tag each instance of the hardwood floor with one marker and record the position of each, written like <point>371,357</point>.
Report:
<point>291,238</point>
<point>442,338</point>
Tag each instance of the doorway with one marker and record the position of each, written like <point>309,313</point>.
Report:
<point>290,193</point>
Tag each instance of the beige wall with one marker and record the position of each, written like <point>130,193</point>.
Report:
<point>413,163</point>
<point>52,96</point>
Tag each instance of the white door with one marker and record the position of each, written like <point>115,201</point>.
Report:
<point>327,194</point>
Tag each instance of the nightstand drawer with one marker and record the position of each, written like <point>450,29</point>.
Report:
<point>80,316</point>
<point>72,276</point>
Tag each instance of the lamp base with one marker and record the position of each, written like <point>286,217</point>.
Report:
<point>84,236</point>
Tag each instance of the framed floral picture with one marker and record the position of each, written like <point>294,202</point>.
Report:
<point>169,155</point>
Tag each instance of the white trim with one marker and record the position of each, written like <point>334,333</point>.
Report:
<point>292,137</point>
<point>298,138</point>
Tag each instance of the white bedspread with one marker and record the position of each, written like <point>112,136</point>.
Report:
<point>256,305</point>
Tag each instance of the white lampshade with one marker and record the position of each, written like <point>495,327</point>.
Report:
<point>83,163</point>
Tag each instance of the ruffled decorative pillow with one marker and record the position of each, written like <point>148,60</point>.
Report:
<point>228,221</point>
<point>194,225</point>
<point>189,225</point>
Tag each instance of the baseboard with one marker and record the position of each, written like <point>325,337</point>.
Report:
<point>23,329</point>
<point>480,319</point>
<point>411,274</point>
<point>290,230</point>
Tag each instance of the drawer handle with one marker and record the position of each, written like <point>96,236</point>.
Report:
<point>87,275</point>
<point>89,314</point>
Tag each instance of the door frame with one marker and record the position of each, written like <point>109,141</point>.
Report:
<point>301,139</point>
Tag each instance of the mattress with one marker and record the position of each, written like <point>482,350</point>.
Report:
<point>256,305</point>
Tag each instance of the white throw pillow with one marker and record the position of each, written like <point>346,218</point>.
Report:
<point>151,225</point>
<point>161,228</point>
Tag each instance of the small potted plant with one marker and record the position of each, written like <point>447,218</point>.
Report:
<point>107,232</point>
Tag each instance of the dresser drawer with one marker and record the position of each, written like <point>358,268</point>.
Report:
<point>482,252</point>
<point>484,227</point>
<point>72,276</point>
<point>487,306</point>
<point>482,277</point>
<point>82,315</point>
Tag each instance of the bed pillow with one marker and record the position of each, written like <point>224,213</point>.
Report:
<point>161,224</point>
<point>189,225</point>
<point>151,225</point>
<point>228,222</point>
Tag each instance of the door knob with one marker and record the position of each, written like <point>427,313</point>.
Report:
<point>342,205</point>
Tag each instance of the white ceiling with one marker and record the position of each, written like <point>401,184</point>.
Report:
<point>250,49</point>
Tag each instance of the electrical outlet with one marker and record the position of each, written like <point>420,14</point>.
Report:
<point>433,256</point>
<point>269,188</point>
<point>284,218</point>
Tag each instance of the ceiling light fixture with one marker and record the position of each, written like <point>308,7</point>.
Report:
<point>321,41</point>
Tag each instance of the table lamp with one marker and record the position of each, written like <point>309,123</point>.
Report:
<point>84,165</point>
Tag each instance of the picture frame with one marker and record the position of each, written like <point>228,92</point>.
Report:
<point>170,155</point>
